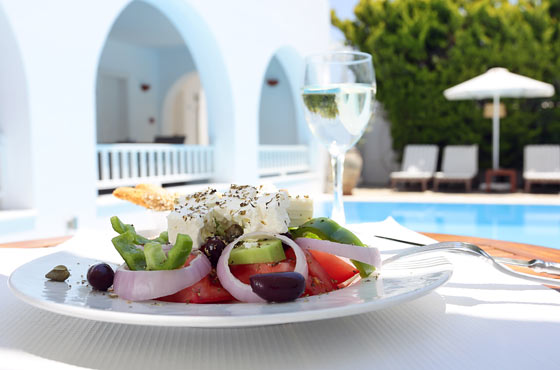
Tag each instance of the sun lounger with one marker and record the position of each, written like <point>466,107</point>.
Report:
<point>541,165</point>
<point>460,164</point>
<point>419,165</point>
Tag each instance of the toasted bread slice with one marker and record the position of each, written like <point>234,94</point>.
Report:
<point>147,195</point>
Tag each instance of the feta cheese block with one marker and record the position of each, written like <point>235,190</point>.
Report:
<point>208,213</point>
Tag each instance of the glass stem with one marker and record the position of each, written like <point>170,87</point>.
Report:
<point>337,162</point>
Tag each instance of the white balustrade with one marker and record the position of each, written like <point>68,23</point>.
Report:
<point>281,160</point>
<point>130,164</point>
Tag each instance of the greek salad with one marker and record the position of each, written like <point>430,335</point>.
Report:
<point>245,244</point>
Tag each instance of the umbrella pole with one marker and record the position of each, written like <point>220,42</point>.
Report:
<point>496,133</point>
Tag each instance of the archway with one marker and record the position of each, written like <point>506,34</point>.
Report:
<point>279,113</point>
<point>137,67</point>
<point>284,141</point>
<point>15,136</point>
<point>205,54</point>
<point>184,110</point>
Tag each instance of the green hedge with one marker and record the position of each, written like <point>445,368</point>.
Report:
<point>422,47</point>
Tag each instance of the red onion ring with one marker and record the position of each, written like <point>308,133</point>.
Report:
<point>142,285</point>
<point>369,255</point>
<point>241,291</point>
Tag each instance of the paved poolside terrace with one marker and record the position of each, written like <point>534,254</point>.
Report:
<point>475,197</point>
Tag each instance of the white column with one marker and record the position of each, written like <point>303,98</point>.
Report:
<point>60,57</point>
<point>236,148</point>
<point>496,133</point>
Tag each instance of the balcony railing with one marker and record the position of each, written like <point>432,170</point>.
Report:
<point>129,164</point>
<point>281,160</point>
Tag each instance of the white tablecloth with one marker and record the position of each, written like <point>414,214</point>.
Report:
<point>480,319</point>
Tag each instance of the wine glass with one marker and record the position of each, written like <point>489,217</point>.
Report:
<point>338,97</point>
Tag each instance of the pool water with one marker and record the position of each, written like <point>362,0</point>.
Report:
<point>531,224</point>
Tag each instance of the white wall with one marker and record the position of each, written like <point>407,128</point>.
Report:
<point>15,132</point>
<point>60,45</point>
<point>137,65</point>
<point>231,44</point>
<point>250,39</point>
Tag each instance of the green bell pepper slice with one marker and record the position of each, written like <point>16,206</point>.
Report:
<point>121,228</point>
<point>163,238</point>
<point>176,257</point>
<point>155,256</point>
<point>326,229</point>
<point>152,257</point>
<point>133,256</point>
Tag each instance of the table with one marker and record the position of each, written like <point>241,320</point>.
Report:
<point>496,248</point>
<point>468,323</point>
<point>510,173</point>
<point>500,248</point>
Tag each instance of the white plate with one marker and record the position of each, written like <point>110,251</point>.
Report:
<point>398,284</point>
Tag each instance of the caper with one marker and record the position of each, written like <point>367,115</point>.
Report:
<point>58,273</point>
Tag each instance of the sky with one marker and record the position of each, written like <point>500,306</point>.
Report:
<point>344,10</point>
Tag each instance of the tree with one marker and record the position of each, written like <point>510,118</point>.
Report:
<point>422,47</point>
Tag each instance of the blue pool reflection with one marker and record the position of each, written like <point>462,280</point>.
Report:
<point>531,224</point>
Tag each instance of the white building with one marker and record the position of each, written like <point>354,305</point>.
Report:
<point>78,77</point>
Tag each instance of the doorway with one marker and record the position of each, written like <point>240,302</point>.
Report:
<point>184,110</point>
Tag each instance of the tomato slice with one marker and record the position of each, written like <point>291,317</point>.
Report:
<point>243,272</point>
<point>207,290</point>
<point>318,281</point>
<point>338,269</point>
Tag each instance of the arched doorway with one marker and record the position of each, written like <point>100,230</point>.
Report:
<point>277,114</point>
<point>138,65</point>
<point>191,27</point>
<point>15,137</point>
<point>149,91</point>
<point>184,110</point>
<point>283,135</point>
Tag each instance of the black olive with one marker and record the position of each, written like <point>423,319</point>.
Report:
<point>287,234</point>
<point>100,276</point>
<point>213,248</point>
<point>278,286</point>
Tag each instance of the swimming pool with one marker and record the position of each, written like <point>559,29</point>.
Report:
<point>531,224</point>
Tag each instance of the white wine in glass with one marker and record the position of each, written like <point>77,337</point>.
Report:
<point>338,96</point>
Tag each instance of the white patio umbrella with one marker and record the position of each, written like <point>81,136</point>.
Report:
<point>499,83</point>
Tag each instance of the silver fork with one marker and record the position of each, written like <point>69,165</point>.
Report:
<point>467,248</point>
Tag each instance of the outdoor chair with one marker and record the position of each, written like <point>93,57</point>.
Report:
<point>541,165</point>
<point>459,164</point>
<point>419,165</point>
